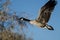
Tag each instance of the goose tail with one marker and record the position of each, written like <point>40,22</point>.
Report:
<point>49,27</point>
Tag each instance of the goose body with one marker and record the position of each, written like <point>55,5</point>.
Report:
<point>44,15</point>
<point>34,22</point>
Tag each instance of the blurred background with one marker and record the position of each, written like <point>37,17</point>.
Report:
<point>29,9</point>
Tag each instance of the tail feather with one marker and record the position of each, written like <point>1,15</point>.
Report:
<point>49,27</point>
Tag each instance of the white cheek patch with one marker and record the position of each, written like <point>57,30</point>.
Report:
<point>21,19</point>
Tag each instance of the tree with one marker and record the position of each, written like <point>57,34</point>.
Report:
<point>9,22</point>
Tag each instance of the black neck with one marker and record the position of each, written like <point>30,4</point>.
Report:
<point>26,19</point>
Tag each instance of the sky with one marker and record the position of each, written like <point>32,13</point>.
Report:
<point>31,9</point>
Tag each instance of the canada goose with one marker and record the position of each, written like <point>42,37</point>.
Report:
<point>44,16</point>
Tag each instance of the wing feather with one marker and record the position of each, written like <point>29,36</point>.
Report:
<point>46,10</point>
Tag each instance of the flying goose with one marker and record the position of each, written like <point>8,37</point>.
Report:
<point>44,15</point>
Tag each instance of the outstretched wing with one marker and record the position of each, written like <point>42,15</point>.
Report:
<point>46,10</point>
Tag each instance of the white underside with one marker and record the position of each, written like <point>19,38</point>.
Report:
<point>36,23</point>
